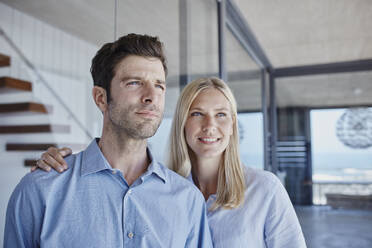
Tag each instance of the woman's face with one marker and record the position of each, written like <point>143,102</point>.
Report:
<point>209,124</point>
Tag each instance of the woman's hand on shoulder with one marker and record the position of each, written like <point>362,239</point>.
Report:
<point>53,158</point>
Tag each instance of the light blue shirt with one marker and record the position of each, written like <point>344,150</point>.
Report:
<point>266,219</point>
<point>91,205</point>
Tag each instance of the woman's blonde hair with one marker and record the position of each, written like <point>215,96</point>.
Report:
<point>231,183</point>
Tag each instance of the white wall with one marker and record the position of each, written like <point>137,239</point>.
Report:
<point>64,61</point>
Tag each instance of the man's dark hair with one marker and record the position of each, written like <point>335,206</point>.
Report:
<point>111,54</point>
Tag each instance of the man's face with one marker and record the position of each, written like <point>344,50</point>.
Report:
<point>137,96</point>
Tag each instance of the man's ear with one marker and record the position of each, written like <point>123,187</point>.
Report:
<point>100,97</point>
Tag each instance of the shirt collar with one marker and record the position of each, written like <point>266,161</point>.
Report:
<point>154,167</point>
<point>94,161</point>
<point>189,177</point>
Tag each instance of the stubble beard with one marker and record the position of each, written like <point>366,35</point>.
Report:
<point>136,128</point>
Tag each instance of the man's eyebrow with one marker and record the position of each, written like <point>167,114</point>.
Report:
<point>158,81</point>
<point>131,78</point>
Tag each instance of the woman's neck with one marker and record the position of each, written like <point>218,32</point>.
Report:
<point>205,174</point>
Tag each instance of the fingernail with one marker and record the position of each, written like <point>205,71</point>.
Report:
<point>60,169</point>
<point>65,166</point>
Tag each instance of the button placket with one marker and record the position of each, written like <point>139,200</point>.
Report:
<point>127,213</point>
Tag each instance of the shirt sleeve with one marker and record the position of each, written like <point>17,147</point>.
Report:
<point>200,235</point>
<point>23,217</point>
<point>282,228</point>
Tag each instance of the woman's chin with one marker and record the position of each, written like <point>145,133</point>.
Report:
<point>208,154</point>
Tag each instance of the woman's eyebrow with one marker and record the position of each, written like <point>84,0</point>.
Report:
<point>222,109</point>
<point>217,109</point>
<point>196,108</point>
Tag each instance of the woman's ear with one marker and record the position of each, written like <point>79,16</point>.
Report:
<point>100,97</point>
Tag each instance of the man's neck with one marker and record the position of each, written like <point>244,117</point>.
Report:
<point>126,154</point>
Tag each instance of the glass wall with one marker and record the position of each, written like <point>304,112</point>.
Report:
<point>50,46</point>
<point>342,150</point>
<point>244,78</point>
<point>331,114</point>
<point>202,38</point>
<point>191,42</point>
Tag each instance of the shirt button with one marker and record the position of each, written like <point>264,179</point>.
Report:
<point>130,235</point>
<point>114,172</point>
<point>130,191</point>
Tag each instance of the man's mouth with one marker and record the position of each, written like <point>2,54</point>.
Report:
<point>148,114</point>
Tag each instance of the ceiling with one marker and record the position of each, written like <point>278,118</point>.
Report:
<point>290,32</point>
<point>307,32</point>
<point>313,32</point>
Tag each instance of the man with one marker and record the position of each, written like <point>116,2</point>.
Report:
<point>114,194</point>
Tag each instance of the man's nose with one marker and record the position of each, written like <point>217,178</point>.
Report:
<point>149,94</point>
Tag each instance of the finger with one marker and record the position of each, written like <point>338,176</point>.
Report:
<point>50,161</point>
<point>33,168</point>
<point>52,150</point>
<point>40,163</point>
<point>56,155</point>
<point>65,151</point>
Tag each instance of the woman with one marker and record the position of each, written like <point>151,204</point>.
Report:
<point>246,207</point>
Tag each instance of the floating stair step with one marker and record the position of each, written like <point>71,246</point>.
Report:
<point>25,107</point>
<point>30,162</point>
<point>4,60</point>
<point>9,85</point>
<point>34,129</point>
<point>23,147</point>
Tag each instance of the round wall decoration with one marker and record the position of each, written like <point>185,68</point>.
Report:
<point>354,128</point>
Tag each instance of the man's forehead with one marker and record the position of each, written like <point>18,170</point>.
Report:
<point>140,66</point>
<point>132,60</point>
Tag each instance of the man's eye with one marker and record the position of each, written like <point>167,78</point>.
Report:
<point>133,83</point>
<point>160,86</point>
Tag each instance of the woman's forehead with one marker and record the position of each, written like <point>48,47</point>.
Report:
<point>211,97</point>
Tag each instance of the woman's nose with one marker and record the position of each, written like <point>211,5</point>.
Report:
<point>209,125</point>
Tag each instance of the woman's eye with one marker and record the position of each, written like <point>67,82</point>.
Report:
<point>195,114</point>
<point>221,114</point>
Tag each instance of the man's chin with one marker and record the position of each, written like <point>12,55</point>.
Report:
<point>142,136</point>
<point>146,132</point>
